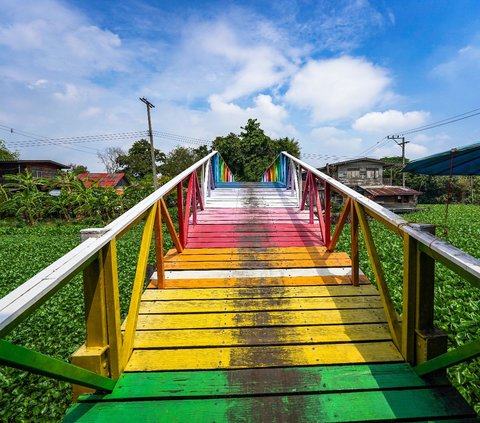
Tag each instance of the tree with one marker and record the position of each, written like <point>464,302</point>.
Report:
<point>77,169</point>
<point>109,158</point>
<point>181,158</point>
<point>6,154</point>
<point>250,153</point>
<point>138,161</point>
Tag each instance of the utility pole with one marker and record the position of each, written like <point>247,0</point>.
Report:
<point>150,134</point>
<point>402,143</point>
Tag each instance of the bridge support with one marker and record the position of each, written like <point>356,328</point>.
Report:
<point>421,339</point>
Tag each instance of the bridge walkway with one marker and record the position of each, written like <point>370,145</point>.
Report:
<point>259,322</point>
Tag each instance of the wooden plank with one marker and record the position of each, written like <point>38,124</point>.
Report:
<point>257,273</point>
<point>170,226</point>
<point>272,381</point>
<point>258,292</point>
<point>233,243</point>
<point>328,408</point>
<point>340,224</point>
<point>258,319</point>
<point>258,304</point>
<point>264,281</point>
<point>264,356</point>
<point>260,336</point>
<point>273,250</point>
<point>253,256</point>
<point>280,264</point>
<point>253,235</point>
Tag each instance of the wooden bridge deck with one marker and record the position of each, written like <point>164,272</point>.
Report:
<point>258,322</point>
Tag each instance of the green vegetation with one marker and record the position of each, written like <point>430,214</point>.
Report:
<point>250,153</point>
<point>57,328</point>
<point>457,310</point>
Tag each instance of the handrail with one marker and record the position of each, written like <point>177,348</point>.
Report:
<point>414,334</point>
<point>447,253</point>
<point>17,304</point>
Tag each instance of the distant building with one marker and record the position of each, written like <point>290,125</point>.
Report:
<point>394,198</point>
<point>362,171</point>
<point>366,176</point>
<point>38,168</point>
<point>117,181</point>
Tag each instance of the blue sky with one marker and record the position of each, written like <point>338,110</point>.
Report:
<point>336,75</point>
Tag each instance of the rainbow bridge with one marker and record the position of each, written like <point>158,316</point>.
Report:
<point>255,315</point>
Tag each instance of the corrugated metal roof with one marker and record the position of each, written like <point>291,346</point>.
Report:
<point>457,161</point>
<point>385,190</point>
<point>101,179</point>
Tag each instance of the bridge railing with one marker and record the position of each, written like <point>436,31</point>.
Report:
<point>100,361</point>
<point>414,334</point>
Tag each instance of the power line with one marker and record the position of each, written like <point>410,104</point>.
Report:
<point>442,122</point>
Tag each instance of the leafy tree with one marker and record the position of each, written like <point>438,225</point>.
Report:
<point>6,154</point>
<point>181,158</point>
<point>138,161</point>
<point>77,169</point>
<point>109,158</point>
<point>250,153</point>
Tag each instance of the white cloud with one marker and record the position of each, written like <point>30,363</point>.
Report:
<point>338,88</point>
<point>50,38</point>
<point>467,60</point>
<point>217,57</point>
<point>390,121</point>
<point>329,140</point>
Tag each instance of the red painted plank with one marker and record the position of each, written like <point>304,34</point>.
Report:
<point>236,244</point>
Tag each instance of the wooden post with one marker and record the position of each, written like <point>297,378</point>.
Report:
<point>180,212</point>
<point>409,297</point>
<point>311,197</point>
<point>112,299</point>
<point>328,213</point>
<point>421,340</point>
<point>93,354</point>
<point>354,244</point>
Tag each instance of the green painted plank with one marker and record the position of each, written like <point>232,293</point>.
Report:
<point>450,358</point>
<point>390,405</point>
<point>262,381</point>
<point>34,362</point>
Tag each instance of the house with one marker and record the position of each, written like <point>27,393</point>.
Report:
<point>362,171</point>
<point>367,176</point>
<point>395,198</point>
<point>117,181</point>
<point>38,168</point>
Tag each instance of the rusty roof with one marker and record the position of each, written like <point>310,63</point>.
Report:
<point>386,190</point>
<point>101,179</point>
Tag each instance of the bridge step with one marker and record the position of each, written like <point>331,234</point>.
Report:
<point>387,392</point>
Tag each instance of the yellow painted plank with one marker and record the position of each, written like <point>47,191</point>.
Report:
<point>272,264</point>
<point>261,336</point>
<point>264,281</point>
<point>253,256</point>
<point>273,318</point>
<point>240,250</point>
<point>259,357</point>
<point>257,292</point>
<point>259,304</point>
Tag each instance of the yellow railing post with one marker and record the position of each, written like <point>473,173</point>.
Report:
<point>93,354</point>
<point>112,299</point>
